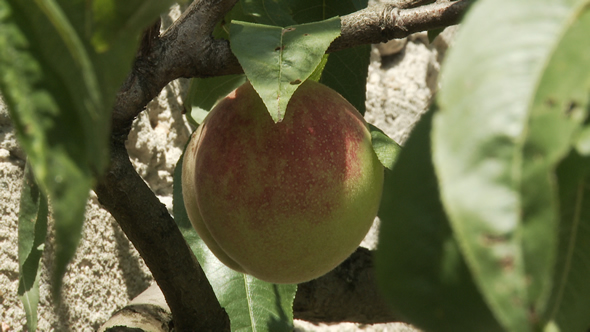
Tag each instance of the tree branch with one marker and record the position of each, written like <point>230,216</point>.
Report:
<point>380,23</point>
<point>147,224</point>
<point>187,49</point>
<point>125,195</point>
<point>402,4</point>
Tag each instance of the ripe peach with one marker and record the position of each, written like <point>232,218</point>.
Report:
<point>285,202</point>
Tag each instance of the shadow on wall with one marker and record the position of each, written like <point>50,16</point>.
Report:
<point>136,281</point>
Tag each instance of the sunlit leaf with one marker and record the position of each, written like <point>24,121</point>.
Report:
<point>583,142</point>
<point>277,60</point>
<point>386,149</point>
<point>509,114</point>
<point>419,266</point>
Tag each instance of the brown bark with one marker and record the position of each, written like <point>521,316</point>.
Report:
<point>126,196</point>
<point>158,240</point>
<point>380,23</point>
<point>187,48</point>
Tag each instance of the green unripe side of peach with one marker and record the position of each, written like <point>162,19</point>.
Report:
<point>189,195</point>
<point>285,202</point>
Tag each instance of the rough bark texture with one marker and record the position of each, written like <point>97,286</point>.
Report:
<point>125,195</point>
<point>187,49</point>
<point>383,22</point>
<point>159,241</point>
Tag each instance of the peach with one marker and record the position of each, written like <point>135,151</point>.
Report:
<point>284,202</point>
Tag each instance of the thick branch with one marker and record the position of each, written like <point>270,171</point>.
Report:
<point>186,49</point>
<point>125,195</point>
<point>154,233</point>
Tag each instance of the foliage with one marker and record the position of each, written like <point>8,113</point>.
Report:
<point>268,55</point>
<point>485,212</point>
<point>506,176</point>
<point>345,71</point>
<point>60,67</point>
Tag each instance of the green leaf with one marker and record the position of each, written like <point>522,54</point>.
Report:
<point>277,60</point>
<point>509,114</point>
<point>557,113</point>
<point>117,21</point>
<point>317,72</point>
<point>60,68</point>
<point>359,4</point>
<point>46,109</point>
<point>570,299</point>
<point>237,13</point>
<point>583,142</point>
<point>432,34</point>
<point>420,268</point>
<point>289,12</point>
<point>32,230</point>
<point>346,70</point>
<point>204,93</point>
<point>386,149</point>
<point>252,304</point>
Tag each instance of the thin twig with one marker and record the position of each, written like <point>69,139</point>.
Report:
<point>380,23</point>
